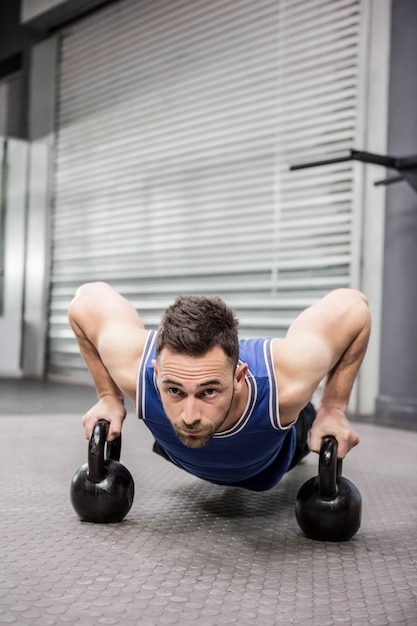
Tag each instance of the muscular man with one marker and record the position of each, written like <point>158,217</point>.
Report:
<point>231,412</point>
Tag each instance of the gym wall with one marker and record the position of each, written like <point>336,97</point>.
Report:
<point>176,126</point>
<point>170,128</point>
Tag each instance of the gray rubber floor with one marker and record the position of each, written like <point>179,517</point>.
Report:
<point>190,552</point>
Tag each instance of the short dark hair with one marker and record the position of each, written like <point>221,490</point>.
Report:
<point>194,325</point>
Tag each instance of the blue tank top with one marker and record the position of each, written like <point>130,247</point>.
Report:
<point>255,453</point>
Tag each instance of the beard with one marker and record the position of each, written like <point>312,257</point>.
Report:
<point>195,441</point>
<point>207,431</point>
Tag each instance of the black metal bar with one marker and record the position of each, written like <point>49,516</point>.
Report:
<point>389,181</point>
<point>406,167</point>
<point>407,163</point>
<point>325,161</point>
<point>350,155</point>
<point>376,159</point>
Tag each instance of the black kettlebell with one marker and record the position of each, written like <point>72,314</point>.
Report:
<point>102,490</point>
<point>328,506</point>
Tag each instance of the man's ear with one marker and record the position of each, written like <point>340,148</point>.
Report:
<point>240,375</point>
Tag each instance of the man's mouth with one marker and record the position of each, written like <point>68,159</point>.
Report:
<point>194,437</point>
<point>191,433</point>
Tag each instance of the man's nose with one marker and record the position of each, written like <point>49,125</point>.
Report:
<point>190,411</point>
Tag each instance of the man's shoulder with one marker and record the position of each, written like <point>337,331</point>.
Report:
<point>257,353</point>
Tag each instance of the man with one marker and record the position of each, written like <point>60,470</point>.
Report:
<point>233,413</point>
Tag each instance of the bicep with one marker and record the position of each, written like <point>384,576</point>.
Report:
<point>301,360</point>
<point>316,341</point>
<point>96,306</point>
<point>111,324</point>
<point>332,323</point>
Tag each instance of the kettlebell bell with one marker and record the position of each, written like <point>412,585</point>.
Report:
<point>102,490</point>
<point>328,507</point>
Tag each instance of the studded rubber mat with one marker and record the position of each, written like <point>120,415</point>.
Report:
<point>194,553</point>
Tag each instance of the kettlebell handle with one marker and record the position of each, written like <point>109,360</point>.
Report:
<point>96,446</point>
<point>330,467</point>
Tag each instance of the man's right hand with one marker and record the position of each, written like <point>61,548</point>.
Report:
<point>108,408</point>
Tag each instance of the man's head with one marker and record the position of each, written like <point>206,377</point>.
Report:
<point>193,325</point>
<point>196,367</point>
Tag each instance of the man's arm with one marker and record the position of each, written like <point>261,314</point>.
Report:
<point>111,337</point>
<point>326,342</point>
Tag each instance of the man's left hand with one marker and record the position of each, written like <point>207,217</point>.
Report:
<point>334,423</point>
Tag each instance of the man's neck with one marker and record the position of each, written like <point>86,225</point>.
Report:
<point>239,403</point>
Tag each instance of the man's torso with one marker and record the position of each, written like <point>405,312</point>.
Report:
<point>256,445</point>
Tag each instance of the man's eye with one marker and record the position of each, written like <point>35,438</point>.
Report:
<point>210,392</point>
<point>174,391</point>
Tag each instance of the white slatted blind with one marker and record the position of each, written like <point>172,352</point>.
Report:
<point>177,121</point>
<point>317,115</point>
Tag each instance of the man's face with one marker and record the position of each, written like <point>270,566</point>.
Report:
<point>197,393</point>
